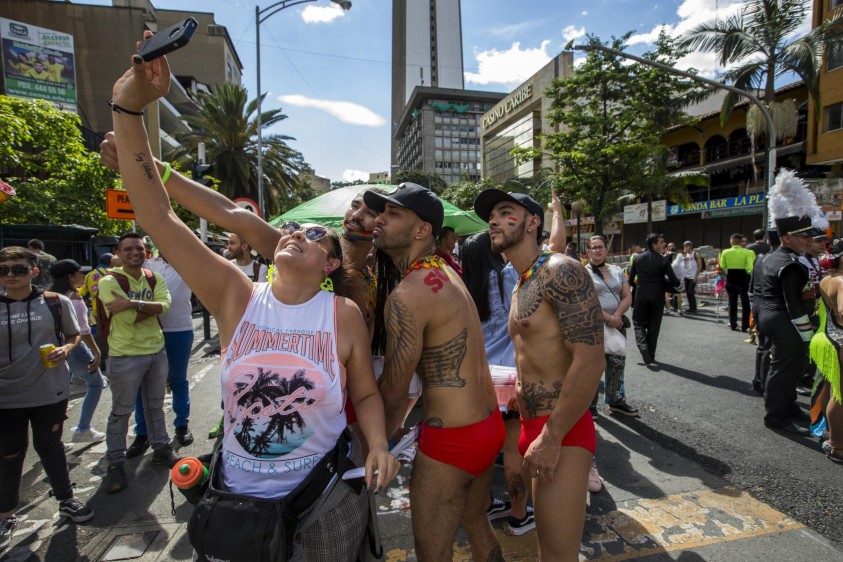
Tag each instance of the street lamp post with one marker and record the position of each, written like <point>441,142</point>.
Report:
<point>261,15</point>
<point>771,129</point>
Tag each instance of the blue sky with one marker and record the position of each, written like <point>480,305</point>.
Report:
<point>330,72</point>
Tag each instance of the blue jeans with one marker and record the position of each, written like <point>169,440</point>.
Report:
<point>178,346</point>
<point>78,362</point>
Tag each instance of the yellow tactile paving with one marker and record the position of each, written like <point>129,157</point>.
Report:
<point>639,528</point>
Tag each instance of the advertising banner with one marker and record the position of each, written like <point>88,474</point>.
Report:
<point>633,214</point>
<point>38,63</point>
<point>752,202</point>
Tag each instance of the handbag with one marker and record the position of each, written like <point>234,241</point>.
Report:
<point>624,318</point>
<point>241,528</point>
<point>614,342</point>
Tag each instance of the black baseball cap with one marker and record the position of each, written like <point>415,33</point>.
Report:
<point>64,268</point>
<point>488,198</point>
<point>414,197</point>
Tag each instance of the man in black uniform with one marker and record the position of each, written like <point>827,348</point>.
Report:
<point>648,273</point>
<point>783,320</point>
<point>762,352</point>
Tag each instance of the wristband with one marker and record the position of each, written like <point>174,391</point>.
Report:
<point>166,175</point>
<point>118,109</point>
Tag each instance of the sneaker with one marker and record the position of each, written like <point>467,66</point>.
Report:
<point>7,529</point>
<point>624,409</point>
<point>115,479</point>
<point>166,456</point>
<point>75,510</point>
<point>595,485</point>
<point>138,447</point>
<point>498,509</point>
<point>519,527</point>
<point>184,436</point>
<point>217,430</point>
<point>90,435</point>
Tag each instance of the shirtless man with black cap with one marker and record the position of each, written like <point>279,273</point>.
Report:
<point>557,328</point>
<point>432,328</point>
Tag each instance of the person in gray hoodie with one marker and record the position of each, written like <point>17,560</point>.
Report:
<point>31,393</point>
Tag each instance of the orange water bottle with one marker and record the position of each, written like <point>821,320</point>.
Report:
<point>189,475</point>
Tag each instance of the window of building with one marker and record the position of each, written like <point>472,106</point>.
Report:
<point>836,3</point>
<point>835,60</point>
<point>834,117</point>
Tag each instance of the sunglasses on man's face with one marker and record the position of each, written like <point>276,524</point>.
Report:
<point>312,233</point>
<point>16,270</point>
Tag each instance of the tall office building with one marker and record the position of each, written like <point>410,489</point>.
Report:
<point>426,51</point>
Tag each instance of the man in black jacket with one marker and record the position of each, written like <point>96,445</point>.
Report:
<point>652,275</point>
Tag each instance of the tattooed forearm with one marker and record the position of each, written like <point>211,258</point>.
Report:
<point>537,397</point>
<point>401,345</point>
<point>569,288</point>
<point>440,365</point>
<point>145,166</point>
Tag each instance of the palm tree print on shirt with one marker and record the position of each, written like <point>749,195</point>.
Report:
<point>268,409</point>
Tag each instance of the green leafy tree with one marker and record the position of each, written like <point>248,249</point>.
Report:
<point>604,136</point>
<point>57,180</point>
<point>462,194</point>
<point>759,41</point>
<point>427,179</point>
<point>227,124</point>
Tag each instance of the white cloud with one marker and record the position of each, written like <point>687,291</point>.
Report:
<point>571,32</point>
<point>321,14</point>
<point>508,67</point>
<point>584,13</point>
<point>513,30</point>
<point>650,37</point>
<point>345,111</point>
<point>354,175</point>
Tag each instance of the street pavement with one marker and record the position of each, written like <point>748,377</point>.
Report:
<point>696,478</point>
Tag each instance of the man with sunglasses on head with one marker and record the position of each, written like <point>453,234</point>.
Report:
<point>33,394</point>
<point>556,325</point>
<point>431,327</point>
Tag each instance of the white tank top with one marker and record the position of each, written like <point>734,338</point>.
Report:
<point>283,393</point>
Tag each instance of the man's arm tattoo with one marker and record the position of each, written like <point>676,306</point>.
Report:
<point>401,342</point>
<point>538,397</point>
<point>145,166</point>
<point>440,365</point>
<point>569,288</point>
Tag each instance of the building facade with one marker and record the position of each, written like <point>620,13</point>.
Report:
<point>825,132</point>
<point>101,57</point>
<point>426,51</point>
<point>439,132</point>
<point>518,120</point>
<point>318,184</point>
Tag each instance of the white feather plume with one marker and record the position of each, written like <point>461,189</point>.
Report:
<point>790,197</point>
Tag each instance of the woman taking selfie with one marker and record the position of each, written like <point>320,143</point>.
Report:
<point>291,348</point>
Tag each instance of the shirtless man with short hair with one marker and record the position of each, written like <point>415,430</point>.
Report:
<point>557,328</point>
<point>432,327</point>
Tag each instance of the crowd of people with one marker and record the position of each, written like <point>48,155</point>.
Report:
<point>325,360</point>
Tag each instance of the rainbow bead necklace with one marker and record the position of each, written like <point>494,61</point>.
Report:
<point>425,263</point>
<point>537,263</point>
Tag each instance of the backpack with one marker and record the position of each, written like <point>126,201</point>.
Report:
<point>256,268</point>
<point>54,304</point>
<point>103,317</point>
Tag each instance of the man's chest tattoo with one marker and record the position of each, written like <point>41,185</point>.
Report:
<point>440,365</point>
<point>528,299</point>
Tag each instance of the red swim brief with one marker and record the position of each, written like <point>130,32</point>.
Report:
<point>471,448</point>
<point>581,435</point>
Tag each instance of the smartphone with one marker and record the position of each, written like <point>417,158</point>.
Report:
<point>168,40</point>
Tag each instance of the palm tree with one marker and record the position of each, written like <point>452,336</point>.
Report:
<point>759,40</point>
<point>227,124</point>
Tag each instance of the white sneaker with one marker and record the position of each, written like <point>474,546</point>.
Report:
<point>87,436</point>
<point>518,527</point>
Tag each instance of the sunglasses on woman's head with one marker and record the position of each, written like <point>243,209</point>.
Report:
<point>312,233</point>
<point>16,270</point>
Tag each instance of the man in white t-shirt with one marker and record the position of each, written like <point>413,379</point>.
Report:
<point>240,255</point>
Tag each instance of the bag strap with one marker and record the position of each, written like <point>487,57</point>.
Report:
<point>334,464</point>
<point>54,304</point>
<point>600,275</point>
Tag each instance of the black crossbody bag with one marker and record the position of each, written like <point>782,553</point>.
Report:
<point>240,528</point>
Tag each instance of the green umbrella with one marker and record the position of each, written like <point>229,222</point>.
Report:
<point>329,209</point>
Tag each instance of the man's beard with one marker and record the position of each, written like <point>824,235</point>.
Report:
<point>394,241</point>
<point>358,235</point>
<point>509,240</point>
<point>230,255</point>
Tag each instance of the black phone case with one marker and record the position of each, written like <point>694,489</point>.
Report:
<point>168,40</point>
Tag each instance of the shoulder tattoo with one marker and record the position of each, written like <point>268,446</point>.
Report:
<point>528,297</point>
<point>569,288</point>
<point>440,364</point>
